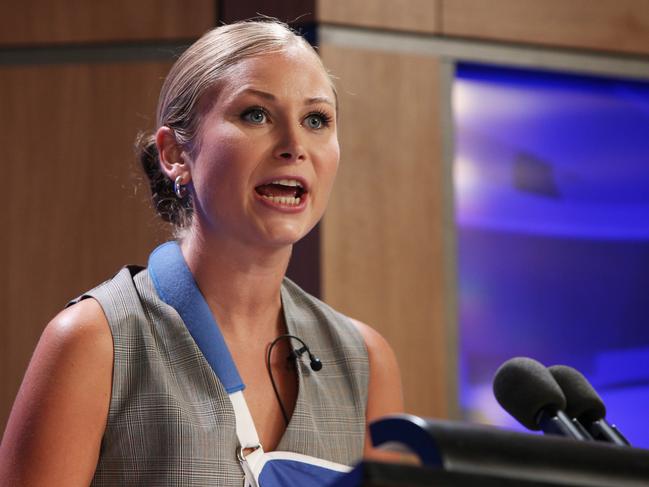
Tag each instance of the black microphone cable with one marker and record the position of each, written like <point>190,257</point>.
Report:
<point>314,363</point>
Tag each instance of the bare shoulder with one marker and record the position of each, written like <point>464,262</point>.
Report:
<point>384,395</point>
<point>59,415</point>
<point>385,377</point>
<point>384,367</point>
<point>374,341</point>
<point>78,327</point>
<point>77,335</point>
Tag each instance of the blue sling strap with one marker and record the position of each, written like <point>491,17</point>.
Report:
<point>176,286</point>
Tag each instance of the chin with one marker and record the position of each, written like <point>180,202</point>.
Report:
<point>281,235</point>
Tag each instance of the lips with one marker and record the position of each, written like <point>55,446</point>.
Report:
<point>284,191</point>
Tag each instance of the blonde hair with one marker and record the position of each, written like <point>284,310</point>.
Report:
<point>199,69</point>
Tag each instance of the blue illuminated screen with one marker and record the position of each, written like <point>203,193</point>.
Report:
<point>551,176</point>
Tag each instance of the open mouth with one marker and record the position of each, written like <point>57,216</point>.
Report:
<point>288,192</point>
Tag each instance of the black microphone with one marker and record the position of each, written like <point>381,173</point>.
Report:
<point>527,391</point>
<point>314,362</point>
<point>296,353</point>
<point>584,404</point>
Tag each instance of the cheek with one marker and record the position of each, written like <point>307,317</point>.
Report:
<point>328,166</point>
<point>218,146</point>
<point>219,162</point>
<point>326,171</point>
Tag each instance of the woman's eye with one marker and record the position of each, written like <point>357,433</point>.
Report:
<point>316,121</point>
<point>256,115</point>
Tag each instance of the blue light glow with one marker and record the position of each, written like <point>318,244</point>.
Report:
<point>552,206</point>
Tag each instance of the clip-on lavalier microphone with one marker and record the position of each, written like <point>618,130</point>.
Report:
<point>296,353</point>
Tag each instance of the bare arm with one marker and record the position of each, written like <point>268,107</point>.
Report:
<point>385,394</point>
<point>57,421</point>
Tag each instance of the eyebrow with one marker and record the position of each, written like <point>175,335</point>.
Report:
<point>271,97</point>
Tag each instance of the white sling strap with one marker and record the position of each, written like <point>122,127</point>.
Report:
<point>246,431</point>
<point>248,438</point>
<point>301,469</point>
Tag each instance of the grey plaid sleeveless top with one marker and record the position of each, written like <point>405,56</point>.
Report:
<point>170,421</point>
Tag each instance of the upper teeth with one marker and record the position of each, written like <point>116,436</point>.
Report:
<point>287,182</point>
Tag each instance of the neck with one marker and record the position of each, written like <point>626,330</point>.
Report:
<point>241,283</point>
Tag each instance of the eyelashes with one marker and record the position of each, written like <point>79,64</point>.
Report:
<point>324,119</point>
<point>255,115</point>
<point>258,115</point>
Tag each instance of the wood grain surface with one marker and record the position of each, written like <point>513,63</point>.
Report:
<point>38,22</point>
<point>406,15</point>
<point>74,211</point>
<point>606,25</point>
<point>382,237</point>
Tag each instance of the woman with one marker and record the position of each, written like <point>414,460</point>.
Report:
<point>139,385</point>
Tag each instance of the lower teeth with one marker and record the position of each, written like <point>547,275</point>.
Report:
<point>284,200</point>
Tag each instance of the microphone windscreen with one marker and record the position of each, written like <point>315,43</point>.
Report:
<point>524,387</point>
<point>582,401</point>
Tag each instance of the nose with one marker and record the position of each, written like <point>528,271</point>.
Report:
<point>289,147</point>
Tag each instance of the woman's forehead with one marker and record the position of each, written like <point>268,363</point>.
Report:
<point>292,69</point>
<point>295,72</point>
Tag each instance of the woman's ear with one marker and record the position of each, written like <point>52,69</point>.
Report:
<point>172,156</point>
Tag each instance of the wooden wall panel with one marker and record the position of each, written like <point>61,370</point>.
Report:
<point>79,21</point>
<point>382,237</point>
<point>408,15</point>
<point>608,25</point>
<point>73,210</point>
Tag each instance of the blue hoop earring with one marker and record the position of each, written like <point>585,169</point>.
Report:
<point>179,188</point>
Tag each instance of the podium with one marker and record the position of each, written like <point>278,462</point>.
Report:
<point>374,474</point>
<point>461,454</point>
